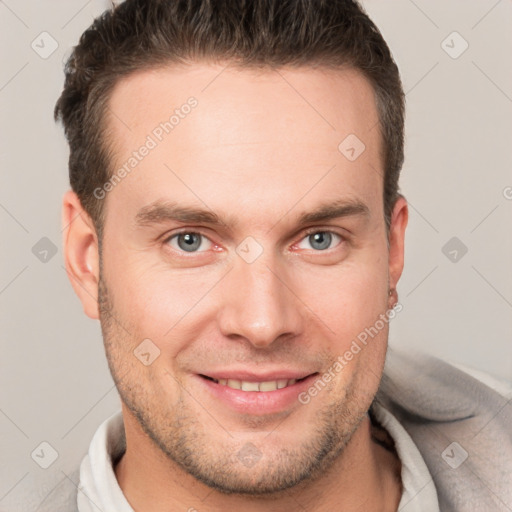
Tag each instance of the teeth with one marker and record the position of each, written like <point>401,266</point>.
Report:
<point>257,386</point>
<point>250,386</point>
<point>235,384</point>
<point>268,386</point>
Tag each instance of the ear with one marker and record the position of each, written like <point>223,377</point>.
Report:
<point>398,223</point>
<point>81,256</point>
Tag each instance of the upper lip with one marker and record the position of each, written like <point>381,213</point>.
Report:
<point>257,377</point>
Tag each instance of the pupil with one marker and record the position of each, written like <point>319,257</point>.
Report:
<point>320,240</point>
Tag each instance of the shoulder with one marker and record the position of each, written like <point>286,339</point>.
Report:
<point>459,419</point>
<point>63,496</point>
<point>502,386</point>
<point>426,386</point>
<point>53,491</point>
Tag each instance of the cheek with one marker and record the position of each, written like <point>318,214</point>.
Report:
<point>163,305</point>
<point>346,299</point>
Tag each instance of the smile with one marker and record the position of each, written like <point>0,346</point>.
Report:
<point>266,386</point>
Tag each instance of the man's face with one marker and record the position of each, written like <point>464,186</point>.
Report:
<point>259,294</point>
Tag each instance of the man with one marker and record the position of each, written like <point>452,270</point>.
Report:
<point>235,225</point>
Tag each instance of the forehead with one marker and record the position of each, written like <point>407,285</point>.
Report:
<point>272,134</point>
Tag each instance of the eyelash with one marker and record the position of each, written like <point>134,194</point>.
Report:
<point>305,234</point>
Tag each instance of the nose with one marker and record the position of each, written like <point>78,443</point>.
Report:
<point>258,303</point>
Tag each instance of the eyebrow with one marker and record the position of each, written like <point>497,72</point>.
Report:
<point>164,211</point>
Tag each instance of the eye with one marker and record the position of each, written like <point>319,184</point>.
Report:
<point>320,240</point>
<point>188,241</point>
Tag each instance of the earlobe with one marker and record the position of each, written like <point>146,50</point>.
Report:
<point>81,257</point>
<point>398,224</point>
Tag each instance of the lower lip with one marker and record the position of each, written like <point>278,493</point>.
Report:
<point>258,402</point>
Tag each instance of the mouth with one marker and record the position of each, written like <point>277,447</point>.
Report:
<point>257,386</point>
<point>244,391</point>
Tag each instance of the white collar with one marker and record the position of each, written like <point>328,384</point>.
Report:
<point>419,491</point>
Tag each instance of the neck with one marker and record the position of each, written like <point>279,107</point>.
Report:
<point>366,476</point>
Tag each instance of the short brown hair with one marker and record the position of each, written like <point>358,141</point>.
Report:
<point>143,34</point>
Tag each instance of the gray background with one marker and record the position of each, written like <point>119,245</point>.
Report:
<point>54,380</point>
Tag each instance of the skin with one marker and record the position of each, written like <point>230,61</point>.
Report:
<point>258,154</point>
